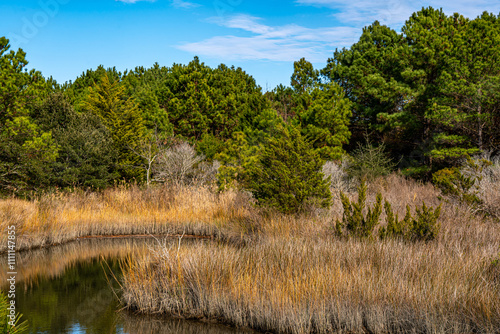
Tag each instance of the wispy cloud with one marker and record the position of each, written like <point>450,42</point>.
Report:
<point>394,13</point>
<point>252,39</point>
<point>279,43</point>
<point>175,3</point>
<point>184,4</point>
<point>134,1</point>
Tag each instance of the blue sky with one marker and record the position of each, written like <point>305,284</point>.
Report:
<point>63,38</point>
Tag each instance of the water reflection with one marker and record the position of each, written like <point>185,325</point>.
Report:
<point>150,325</point>
<point>31,266</point>
<point>69,289</point>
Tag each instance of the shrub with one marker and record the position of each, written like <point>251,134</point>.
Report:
<point>177,164</point>
<point>288,176</point>
<point>354,222</point>
<point>336,173</point>
<point>423,227</point>
<point>369,162</point>
<point>488,186</point>
<point>454,184</point>
<point>476,183</point>
<point>396,227</point>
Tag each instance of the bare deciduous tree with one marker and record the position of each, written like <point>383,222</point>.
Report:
<point>149,149</point>
<point>176,164</point>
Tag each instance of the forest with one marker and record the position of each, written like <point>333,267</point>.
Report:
<point>429,95</point>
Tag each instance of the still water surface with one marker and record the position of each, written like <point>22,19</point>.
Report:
<point>70,289</point>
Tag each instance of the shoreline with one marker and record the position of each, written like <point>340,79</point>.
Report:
<point>123,236</point>
<point>283,273</point>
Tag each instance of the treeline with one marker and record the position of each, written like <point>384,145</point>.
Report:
<point>430,94</point>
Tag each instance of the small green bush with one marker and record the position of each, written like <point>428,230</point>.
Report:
<point>423,227</point>
<point>396,227</point>
<point>354,222</point>
<point>454,184</point>
<point>462,183</point>
<point>369,162</point>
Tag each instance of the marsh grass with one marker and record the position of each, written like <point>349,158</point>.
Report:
<point>286,273</point>
<point>297,277</point>
<point>59,217</point>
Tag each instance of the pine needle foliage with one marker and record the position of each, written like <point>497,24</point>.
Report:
<point>395,227</point>
<point>354,221</point>
<point>288,176</point>
<point>122,118</point>
<point>462,184</point>
<point>424,226</point>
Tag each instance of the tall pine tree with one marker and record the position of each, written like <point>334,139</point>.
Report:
<point>122,117</point>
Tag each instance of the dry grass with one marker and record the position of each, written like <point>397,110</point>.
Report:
<point>60,217</point>
<point>296,277</point>
<point>488,188</point>
<point>291,274</point>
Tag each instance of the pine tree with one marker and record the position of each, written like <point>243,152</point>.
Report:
<point>288,176</point>
<point>323,114</point>
<point>25,150</point>
<point>122,118</point>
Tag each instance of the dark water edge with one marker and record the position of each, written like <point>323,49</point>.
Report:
<point>71,289</point>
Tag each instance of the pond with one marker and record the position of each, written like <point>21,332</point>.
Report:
<point>74,288</point>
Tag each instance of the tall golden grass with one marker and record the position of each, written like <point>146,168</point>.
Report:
<point>284,274</point>
<point>295,276</point>
<point>59,217</point>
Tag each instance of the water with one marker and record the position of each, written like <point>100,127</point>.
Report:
<point>72,289</point>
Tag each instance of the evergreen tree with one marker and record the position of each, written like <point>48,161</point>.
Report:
<point>304,77</point>
<point>288,176</point>
<point>209,105</point>
<point>87,156</point>
<point>25,150</point>
<point>323,114</point>
<point>430,91</point>
<point>122,118</point>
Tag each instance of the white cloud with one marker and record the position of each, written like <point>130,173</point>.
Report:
<point>394,13</point>
<point>184,4</point>
<point>175,3</point>
<point>134,1</point>
<point>281,43</point>
<point>252,39</point>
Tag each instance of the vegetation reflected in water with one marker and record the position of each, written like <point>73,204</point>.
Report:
<point>69,289</point>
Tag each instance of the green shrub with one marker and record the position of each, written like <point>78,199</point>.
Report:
<point>423,227</point>
<point>462,184</point>
<point>454,184</point>
<point>369,162</point>
<point>288,176</point>
<point>396,227</point>
<point>354,222</point>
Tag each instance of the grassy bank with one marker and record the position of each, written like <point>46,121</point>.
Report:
<point>295,276</point>
<point>59,217</point>
<point>285,274</point>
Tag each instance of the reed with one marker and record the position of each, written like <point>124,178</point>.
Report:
<point>59,217</point>
<point>279,273</point>
<point>295,276</point>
